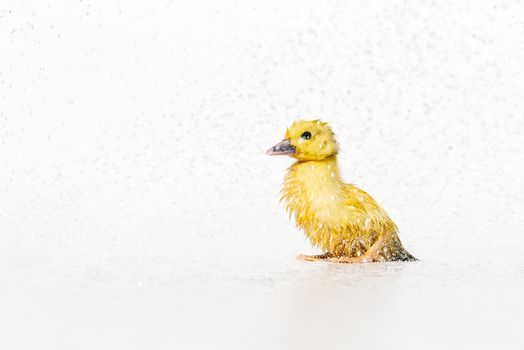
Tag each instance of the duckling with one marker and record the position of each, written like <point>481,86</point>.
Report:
<point>345,222</point>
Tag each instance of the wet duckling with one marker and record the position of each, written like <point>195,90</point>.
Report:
<point>341,219</point>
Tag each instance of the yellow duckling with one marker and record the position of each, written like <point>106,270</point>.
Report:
<point>341,219</point>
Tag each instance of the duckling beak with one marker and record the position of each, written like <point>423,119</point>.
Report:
<point>282,148</point>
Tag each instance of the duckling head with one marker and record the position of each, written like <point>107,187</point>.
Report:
<point>307,140</point>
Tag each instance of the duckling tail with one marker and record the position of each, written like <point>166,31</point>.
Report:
<point>402,255</point>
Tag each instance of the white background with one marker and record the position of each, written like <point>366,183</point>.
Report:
<point>137,207</point>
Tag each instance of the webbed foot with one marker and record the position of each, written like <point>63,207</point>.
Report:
<point>366,258</point>
<point>347,260</point>
<point>314,257</point>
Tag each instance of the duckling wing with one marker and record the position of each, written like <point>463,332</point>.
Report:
<point>373,226</point>
<point>370,217</point>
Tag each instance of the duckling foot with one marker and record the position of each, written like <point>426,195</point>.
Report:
<point>347,260</point>
<point>314,257</point>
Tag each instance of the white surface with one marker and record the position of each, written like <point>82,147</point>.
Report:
<point>137,209</point>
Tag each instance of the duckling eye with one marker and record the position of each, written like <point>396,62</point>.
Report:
<point>306,135</point>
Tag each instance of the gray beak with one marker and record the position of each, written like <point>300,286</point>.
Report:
<point>282,148</point>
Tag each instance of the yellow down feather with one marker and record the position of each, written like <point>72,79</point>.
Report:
<point>339,218</point>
